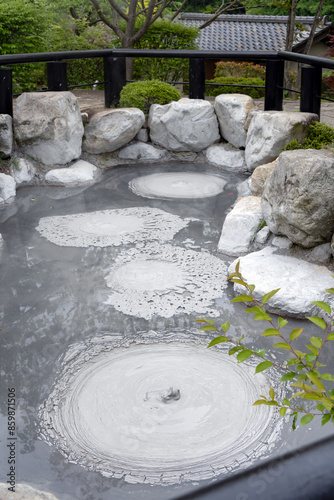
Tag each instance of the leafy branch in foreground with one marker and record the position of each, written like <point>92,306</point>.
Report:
<point>302,370</point>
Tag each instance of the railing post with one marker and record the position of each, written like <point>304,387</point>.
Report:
<point>274,85</point>
<point>310,97</point>
<point>115,79</point>
<point>6,91</point>
<point>56,76</point>
<point>197,78</point>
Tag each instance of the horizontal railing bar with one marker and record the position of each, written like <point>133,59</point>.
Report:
<point>235,85</point>
<point>303,58</point>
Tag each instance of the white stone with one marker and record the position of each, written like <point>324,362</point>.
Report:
<point>321,254</point>
<point>80,172</point>
<point>1,240</point>
<point>226,156</point>
<point>7,189</point>
<point>22,170</point>
<point>185,125</point>
<point>48,126</point>
<point>281,242</point>
<point>240,226</point>
<point>141,151</point>
<point>142,135</point>
<point>262,236</point>
<point>300,282</point>
<point>6,136</point>
<point>232,111</point>
<point>111,129</point>
<point>24,492</point>
<point>270,131</point>
<point>260,176</point>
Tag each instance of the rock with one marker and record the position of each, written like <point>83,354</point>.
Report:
<point>142,135</point>
<point>24,492</point>
<point>300,282</point>
<point>1,241</point>
<point>141,151</point>
<point>111,129</point>
<point>6,136</point>
<point>297,200</point>
<point>48,126</point>
<point>185,125</point>
<point>7,189</point>
<point>22,171</point>
<point>232,111</point>
<point>79,173</point>
<point>321,254</point>
<point>240,226</point>
<point>262,236</point>
<point>281,242</point>
<point>244,188</point>
<point>270,131</point>
<point>260,176</point>
<point>226,156</point>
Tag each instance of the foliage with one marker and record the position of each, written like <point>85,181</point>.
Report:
<point>319,135</point>
<point>240,69</point>
<point>143,94</point>
<point>302,370</point>
<point>256,93</point>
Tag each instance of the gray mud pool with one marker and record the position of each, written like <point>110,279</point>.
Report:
<point>116,395</point>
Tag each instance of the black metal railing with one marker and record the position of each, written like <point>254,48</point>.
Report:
<point>115,74</point>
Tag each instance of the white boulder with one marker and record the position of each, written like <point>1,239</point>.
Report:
<point>300,282</point>
<point>6,136</point>
<point>7,189</point>
<point>260,176</point>
<point>48,126</point>
<point>184,125</point>
<point>240,226</point>
<point>141,151</point>
<point>226,156</point>
<point>270,131</point>
<point>22,171</point>
<point>111,129</point>
<point>232,111</point>
<point>24,492</point>
<point>79,173</point>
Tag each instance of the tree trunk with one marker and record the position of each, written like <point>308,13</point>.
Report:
<point>290,33</point>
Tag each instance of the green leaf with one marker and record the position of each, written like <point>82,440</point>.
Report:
<point>237,267</point>
<point>282,322</point>
<point>313,349</point>
<point>263,366</point>
<point>317,321</point>
<point>260,402</point>
<point>253,310</point>
<point>208,327</point>
<point>300,354</point>
<point>235,349</point>
<point>238,280</point>
<point>331,393</point>
<point>326,376</point>
<point>322,305</point>
<point>262,316</point>
<point>283,345</point>
<point>218,340</point>
<point>251,288</point>
<point>268,295</point>
<point>270,332</point>
<point>261,352</point>
<point>243,355</point>
<point>225,326</point>
<point>313,396</point>
<point>292,361</point>
<point>319,385</point>
<point>326,418</point>
<point>330,290</point>
<point>316,341</point>
<point>295,333</point>
<point>306,419</point>
<point>301,377</point>
<point>242,298</point>
<point>287,376</point>
<point>294,421</point>
<point>310,357</point>
<point>272,403</point>
<point>320,407</point>
<point>319,364</point>
<point>330,336</point>
<point>286,402</point>
<point>272,393</point>
<point>282,411</point>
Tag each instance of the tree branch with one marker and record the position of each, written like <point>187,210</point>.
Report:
<point>114,26</point>
<point>220,10</point>
<point>178,10</point>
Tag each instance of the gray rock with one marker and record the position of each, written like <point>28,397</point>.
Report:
<point>240,226</point>
<point>244,188</point>
<point>111,129</point>
<point>270,131</point>
<point>185,125</point>
<point>7,189</point>
<point>142,135</point>
<point>232,111</point>
<point>24,492</point>
<point>22,171</point>
<point>79,173</point>
<point>300,282</point>
<point>48,126</point>
<point>321,254</point>
<point>6,136</point>
<point>141,151</point>
<point>297,201</point>
<point>262,236</point>
<point>281,242</point>
<point>260,176</point>
<point>226,156</point>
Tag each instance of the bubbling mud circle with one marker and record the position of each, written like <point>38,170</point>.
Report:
<point>158,409</point>
<point>111,227</point>
<point>177,185</point>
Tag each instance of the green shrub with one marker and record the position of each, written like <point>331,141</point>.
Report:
<point>240,69</point>
<point>256,93</point>
<point>142,94</point>
<point>319,136</point>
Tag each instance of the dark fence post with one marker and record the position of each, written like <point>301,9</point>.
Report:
<point>197,78</point>
<point>56,76</point>
<point>310,97</point>
<point>274,85</point>
<point>115,79</point>
<point>6,91</point>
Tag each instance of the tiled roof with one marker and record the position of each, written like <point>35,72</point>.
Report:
<point>245,33</point>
